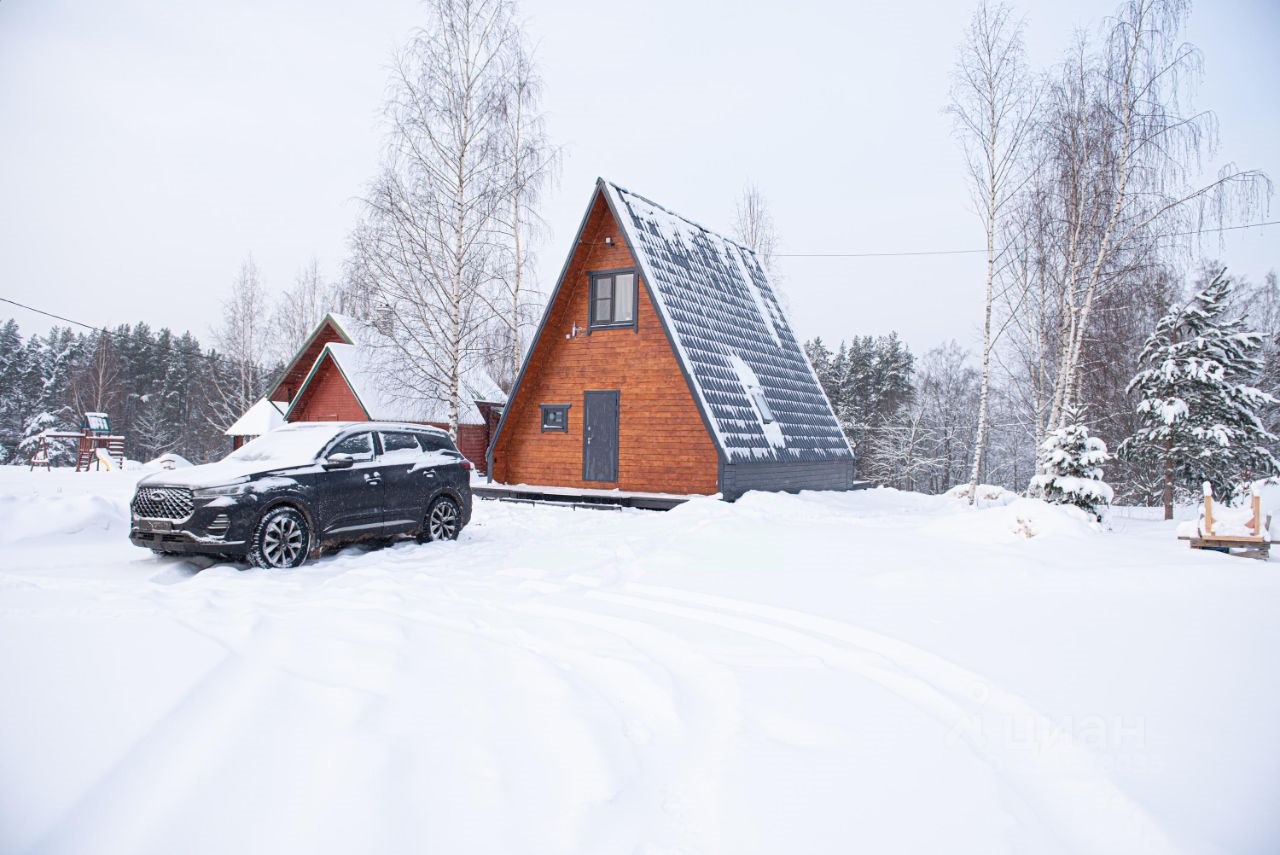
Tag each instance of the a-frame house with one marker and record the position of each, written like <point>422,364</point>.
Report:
<point>665,364</point>
<point>342,373</point>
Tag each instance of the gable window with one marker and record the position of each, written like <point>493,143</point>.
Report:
<point>613,299</point>
<point>555,418</point>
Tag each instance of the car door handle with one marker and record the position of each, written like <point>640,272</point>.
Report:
<point>374,479</point>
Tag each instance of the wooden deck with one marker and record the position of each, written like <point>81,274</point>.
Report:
<point>583,497</point>
<point>576,497</point>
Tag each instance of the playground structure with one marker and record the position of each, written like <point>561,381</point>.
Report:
<point>96,446</point>
<point>1249,537</point>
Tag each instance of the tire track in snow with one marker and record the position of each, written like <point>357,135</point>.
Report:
<point>177,752</point>
<point>1062,782</point>
<point>687,722</point>
<point>222,731</point>
<point>708,707</point>
<point>558,670</point>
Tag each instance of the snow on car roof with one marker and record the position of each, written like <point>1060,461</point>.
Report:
<point>719,306</point>
<point>291,444</point>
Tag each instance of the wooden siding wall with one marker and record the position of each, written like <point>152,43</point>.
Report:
<point>328,398</point>
<point>291,380</point>
<point>473,442</point>
<point>663,445</point>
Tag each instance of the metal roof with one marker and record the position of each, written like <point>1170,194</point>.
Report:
<point>749,374</point>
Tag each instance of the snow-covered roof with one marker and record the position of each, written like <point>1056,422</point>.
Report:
<point>347,327</point>
<point>352,328</point>
<point>727,327</point>
<point>262,417</point>
<point>369,370</point>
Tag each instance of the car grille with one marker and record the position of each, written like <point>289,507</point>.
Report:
<point>163,503</point>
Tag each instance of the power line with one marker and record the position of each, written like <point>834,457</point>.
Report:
<point>877,254</point>
<point>905,253</point>
<point>55,317</point>
<point>215,358</point>
<point>974,251</point>
<point>920,252</point>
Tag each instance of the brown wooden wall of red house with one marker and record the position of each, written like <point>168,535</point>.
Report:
<point>663,444</point>
<point>296,373</point>
<point>328,398</point>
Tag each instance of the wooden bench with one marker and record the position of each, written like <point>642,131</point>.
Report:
<point>1256,545</point>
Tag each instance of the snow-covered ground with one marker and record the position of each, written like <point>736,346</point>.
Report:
<point>874,672</point>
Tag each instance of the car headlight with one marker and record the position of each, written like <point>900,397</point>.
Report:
<point>229,490</point>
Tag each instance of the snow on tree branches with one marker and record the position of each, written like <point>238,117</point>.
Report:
<point>1200,414</point>
<point>1069,469</point>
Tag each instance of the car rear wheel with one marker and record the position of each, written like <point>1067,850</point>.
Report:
<point>444,520</point>
<point>281,539</point>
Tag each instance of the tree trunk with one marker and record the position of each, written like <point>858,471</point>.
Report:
<point>980,440</point>
<point>516,351</point>
<point>1168,478</point>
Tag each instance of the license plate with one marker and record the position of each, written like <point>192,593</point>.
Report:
<point>155,525</point>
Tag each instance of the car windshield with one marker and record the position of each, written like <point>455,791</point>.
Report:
<point>292,445</point>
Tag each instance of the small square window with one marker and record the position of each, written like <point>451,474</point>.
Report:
<point>555,417</point>
<point>613,299</point>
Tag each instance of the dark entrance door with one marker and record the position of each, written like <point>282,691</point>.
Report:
<point>600,436</point>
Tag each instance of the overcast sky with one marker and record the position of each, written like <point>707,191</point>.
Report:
<point>146,147</point>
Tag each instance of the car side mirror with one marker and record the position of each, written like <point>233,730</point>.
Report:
<point>339,461</point>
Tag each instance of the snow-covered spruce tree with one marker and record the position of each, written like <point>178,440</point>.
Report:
<point>13,391</point>
<point>1069,468</point>
<point>1200,414</point>
<point>60,453</point>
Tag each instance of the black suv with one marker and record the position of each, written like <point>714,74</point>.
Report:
<point>308,485</point>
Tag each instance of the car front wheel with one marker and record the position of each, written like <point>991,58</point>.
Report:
<point>444,520</point>
<point>281,539</point>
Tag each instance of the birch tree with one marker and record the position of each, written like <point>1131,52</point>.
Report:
<point>426,246</point>
<point>1128,156</point>
<point>530,162</point>
<point>94,384</point>
<point>753,227</point>
<point>992,104</point>
<point>299,309</point>
<point>242,340</point>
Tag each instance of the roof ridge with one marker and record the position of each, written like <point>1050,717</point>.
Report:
<point>694,223</point>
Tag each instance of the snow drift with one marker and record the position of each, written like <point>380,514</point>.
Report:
<point>875,671</point>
